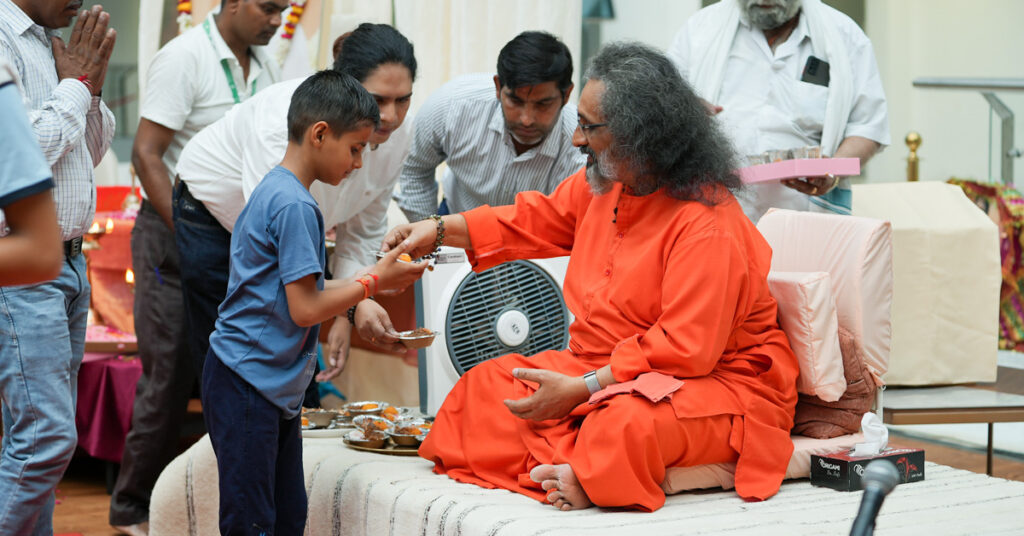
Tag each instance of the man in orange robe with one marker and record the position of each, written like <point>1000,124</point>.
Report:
<point>666,275</point>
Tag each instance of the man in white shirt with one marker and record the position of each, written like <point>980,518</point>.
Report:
<point>42,326</point>
<point>500,135</point>
<point>193,80</point>
<point>222,165</point>
<point>784,74</point>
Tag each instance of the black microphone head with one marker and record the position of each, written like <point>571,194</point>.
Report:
<point>882,474</point>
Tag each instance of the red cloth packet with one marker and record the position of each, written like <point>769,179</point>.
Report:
<point>655,386</point>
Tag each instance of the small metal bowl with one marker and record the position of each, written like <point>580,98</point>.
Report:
<point>417,338</point>
<point>403,440</point>
<point>356,437</point>
<point>361,408</point>
<point>412,426</point>
<point>373,426</point>
<point>320,418</point>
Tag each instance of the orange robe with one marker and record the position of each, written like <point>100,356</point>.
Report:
<point>655,284</point>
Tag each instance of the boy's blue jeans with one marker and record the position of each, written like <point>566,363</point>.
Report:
<point>259,456</point>
<point>42,338</point>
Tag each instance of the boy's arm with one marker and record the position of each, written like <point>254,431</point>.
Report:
<point>32,251</point>
<point>309,306</point>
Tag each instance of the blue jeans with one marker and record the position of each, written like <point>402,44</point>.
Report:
<point>42,338</point>
<point>204,252</point>
<point>259,457</point>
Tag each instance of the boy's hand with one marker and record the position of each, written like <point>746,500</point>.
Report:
<point>374,325</point>
<point>393,274</point>
<point>338,345</point>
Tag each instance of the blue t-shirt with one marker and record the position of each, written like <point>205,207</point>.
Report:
<point>278,239</point>
<point>23,170</point>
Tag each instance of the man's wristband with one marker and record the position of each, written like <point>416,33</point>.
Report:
<point>84,79</point>
<point>590,379</point>
<point>351,314</point>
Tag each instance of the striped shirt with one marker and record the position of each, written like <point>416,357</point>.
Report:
<point>462,124</point>
<point>74,128</point>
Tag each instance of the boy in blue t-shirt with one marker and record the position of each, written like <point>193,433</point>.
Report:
<point>263,348</point>
<point>30,251</point>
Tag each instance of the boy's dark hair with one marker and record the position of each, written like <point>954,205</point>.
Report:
<point>534,58</point>
<point>370,46</point>
<point>335,98</point>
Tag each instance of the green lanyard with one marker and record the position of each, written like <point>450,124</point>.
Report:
<point>227,69</point>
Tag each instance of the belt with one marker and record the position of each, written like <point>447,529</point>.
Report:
<point>73,247</point>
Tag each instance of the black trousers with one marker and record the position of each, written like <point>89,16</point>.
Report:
<point>259,457</point>
<point>168,372</point>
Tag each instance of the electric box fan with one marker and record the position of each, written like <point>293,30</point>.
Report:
<point>515,307</point>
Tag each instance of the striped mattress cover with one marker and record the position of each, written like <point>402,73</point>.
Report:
<point>361,493</point>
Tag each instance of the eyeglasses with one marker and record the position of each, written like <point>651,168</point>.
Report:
<point>585,127</point>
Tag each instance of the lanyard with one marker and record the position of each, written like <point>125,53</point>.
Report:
<point>227,69</point>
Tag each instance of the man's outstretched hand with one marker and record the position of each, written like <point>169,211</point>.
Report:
<point>556,395</point>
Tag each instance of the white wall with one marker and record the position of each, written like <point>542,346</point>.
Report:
<point>931,38</point>
<point>912,39</point>
<point>654,22</point>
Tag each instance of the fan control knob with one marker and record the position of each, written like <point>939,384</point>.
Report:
<point>513,328</point>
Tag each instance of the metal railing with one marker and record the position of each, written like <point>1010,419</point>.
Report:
<point>988,87</point>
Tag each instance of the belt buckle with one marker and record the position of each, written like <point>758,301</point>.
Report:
<point>73,247</point>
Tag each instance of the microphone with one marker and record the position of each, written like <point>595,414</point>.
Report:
<point>880,477</point>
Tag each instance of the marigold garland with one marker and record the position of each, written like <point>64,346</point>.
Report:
<point>184,15</point>
<point>291,20</point>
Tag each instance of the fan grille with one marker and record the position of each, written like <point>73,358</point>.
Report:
<point>481,297</point>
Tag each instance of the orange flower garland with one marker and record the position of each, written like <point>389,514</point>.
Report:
<point>291,21</point>
<point>184,15</point>
<point>294,14</point>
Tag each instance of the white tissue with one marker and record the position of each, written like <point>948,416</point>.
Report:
<point>876,436</point>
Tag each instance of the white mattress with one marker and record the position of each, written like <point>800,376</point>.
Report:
<point>359,493</point>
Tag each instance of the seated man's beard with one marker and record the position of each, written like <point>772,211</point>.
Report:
<point>599,172</point>
<point>773,17</point>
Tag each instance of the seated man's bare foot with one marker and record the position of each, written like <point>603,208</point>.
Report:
<point>564,489</point>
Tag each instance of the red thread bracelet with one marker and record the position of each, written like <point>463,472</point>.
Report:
<point>85,80</point>
<point>366,287</point>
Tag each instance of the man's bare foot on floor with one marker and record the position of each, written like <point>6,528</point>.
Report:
<point>564,489</point>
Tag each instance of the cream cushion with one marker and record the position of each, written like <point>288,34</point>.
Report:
<point>857,254</point>
<point>723,475</point>
<point>807,313</point>
<point>946,264</point>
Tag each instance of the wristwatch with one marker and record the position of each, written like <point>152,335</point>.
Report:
<point>590,379</point>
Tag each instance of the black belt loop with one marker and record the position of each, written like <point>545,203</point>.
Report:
<point>73,247</point>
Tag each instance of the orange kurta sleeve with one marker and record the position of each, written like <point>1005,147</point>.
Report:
<point>535,226</point>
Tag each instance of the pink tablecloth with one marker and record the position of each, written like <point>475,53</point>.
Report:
<point>106,392</point>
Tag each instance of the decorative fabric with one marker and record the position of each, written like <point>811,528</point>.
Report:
<point>1005,205</point>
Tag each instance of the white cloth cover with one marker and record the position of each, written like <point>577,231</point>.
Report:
<point>857,254</point>
<point>354,493</point>
<point>945,312</point>
<point>807,313</point>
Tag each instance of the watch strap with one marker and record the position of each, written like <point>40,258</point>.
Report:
<point>590,379</point>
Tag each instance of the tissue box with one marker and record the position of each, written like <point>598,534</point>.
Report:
<point>842,471</point>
